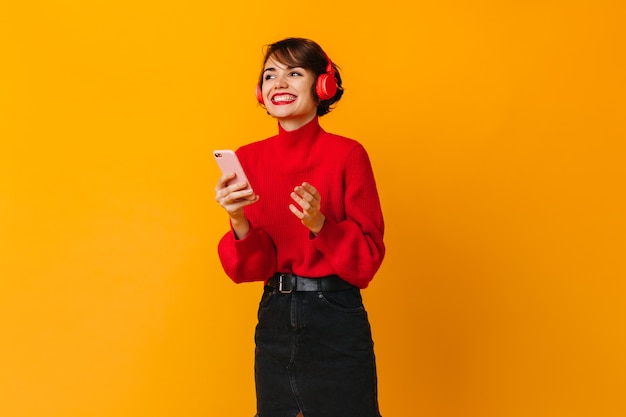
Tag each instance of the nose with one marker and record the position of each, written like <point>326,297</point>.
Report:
<point>281,82</point>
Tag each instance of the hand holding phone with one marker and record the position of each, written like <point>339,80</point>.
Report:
<point>228,163</point>
<point>234,201</point>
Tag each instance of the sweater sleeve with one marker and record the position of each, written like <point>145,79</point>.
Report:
<point>252,258</point>
<point>354,246</point>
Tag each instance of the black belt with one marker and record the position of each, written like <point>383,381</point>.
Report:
<point>287,283</point>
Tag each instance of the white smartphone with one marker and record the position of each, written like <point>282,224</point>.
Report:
<point>228,162</point>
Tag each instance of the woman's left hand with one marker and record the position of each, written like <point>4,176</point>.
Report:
<point>309,201</point>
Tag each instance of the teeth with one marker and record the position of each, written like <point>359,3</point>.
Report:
<point>284,98</point>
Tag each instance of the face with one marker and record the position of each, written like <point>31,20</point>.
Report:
<point>287,94</point>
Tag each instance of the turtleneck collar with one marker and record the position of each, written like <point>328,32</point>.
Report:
<point>304,134</point>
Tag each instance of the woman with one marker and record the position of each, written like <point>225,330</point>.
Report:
<point>314,235</point>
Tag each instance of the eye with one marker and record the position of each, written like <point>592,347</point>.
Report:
<point>295,74</point>
<point>268,77</point>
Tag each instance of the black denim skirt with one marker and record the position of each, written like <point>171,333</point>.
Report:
<point>315,354</point>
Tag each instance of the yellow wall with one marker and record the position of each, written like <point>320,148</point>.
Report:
<point>496,130</point>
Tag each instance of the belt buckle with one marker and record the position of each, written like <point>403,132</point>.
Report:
<point>280,285</point>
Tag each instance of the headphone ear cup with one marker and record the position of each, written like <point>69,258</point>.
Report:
<point>326,86</point>
<point>259,94</point>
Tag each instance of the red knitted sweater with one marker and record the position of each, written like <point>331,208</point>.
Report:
<point>350,243</point>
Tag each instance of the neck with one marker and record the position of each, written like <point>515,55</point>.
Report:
<point>294,124</point>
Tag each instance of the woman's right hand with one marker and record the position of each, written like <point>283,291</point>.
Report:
<point>233,198</point>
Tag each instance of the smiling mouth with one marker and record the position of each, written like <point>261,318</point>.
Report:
<point>283,98</point>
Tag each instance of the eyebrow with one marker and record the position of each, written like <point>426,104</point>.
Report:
<point>274,69</point>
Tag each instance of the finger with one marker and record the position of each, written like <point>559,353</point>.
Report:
<point>237,186</point>
<point>226,197</point>
<point>222,191</point>
<point>311,190</point>
<point>221,183</point>
<point>301,201</point>
<point>233,207</point>
<point>305,194</point>
<point>308,197</point>
<point>295,211</point>
<point>236,196</point>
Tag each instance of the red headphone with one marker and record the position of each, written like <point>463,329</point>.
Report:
<point>325,86</point>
